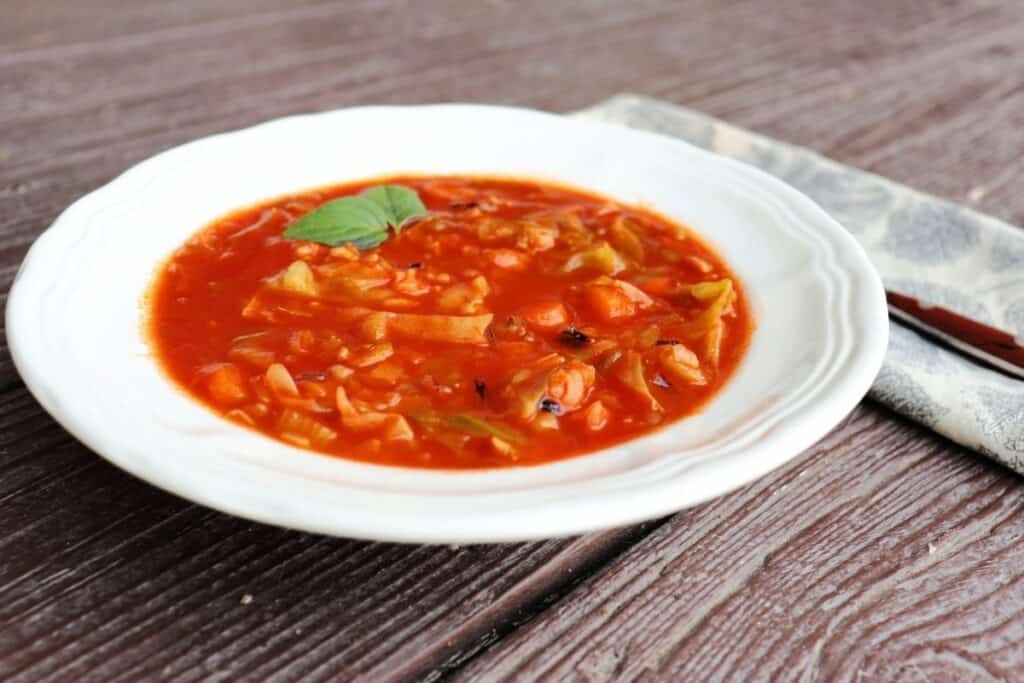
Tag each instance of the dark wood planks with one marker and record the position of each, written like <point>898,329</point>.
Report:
<point>874,556</point>
<point>821,573</point>
<point>105,578</point>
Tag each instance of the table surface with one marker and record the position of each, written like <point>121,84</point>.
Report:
<point>883,553</point>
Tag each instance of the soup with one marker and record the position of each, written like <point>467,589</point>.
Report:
<point>496,322</point>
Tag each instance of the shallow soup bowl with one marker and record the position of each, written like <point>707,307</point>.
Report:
<point>75,322</point>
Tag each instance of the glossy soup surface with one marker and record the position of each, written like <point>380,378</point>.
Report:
<point>518,323</point>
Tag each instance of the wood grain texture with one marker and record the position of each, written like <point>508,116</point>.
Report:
<point>819,571</point>
<point>877,556</point>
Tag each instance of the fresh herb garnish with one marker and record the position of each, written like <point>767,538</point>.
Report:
<point>349,219</point>
<point>362,220</point>
<point>398,202</point>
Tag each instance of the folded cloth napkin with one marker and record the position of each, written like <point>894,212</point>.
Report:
<point>928,248</point>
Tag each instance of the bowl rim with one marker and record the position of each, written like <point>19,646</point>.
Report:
<point>536,516</point>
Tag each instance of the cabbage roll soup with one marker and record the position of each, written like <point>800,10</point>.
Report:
<point>448,322</point>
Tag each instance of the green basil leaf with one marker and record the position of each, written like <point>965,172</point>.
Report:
<point>398,202</point>
<point>358,220</point>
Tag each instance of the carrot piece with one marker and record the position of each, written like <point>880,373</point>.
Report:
<point>608,303</point>
<point>545,314</point>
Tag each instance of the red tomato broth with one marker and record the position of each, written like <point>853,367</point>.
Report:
<point>219,317</point>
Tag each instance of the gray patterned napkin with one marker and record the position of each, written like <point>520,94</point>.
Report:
<point>925,247</point>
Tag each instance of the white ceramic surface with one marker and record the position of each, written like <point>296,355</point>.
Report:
<point>73,324</point>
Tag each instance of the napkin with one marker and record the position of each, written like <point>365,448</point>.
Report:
<point>928,248</point>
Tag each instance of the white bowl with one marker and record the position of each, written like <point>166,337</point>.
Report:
<point>74,326</point>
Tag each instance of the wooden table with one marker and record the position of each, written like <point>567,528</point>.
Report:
<point>883,553</point>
